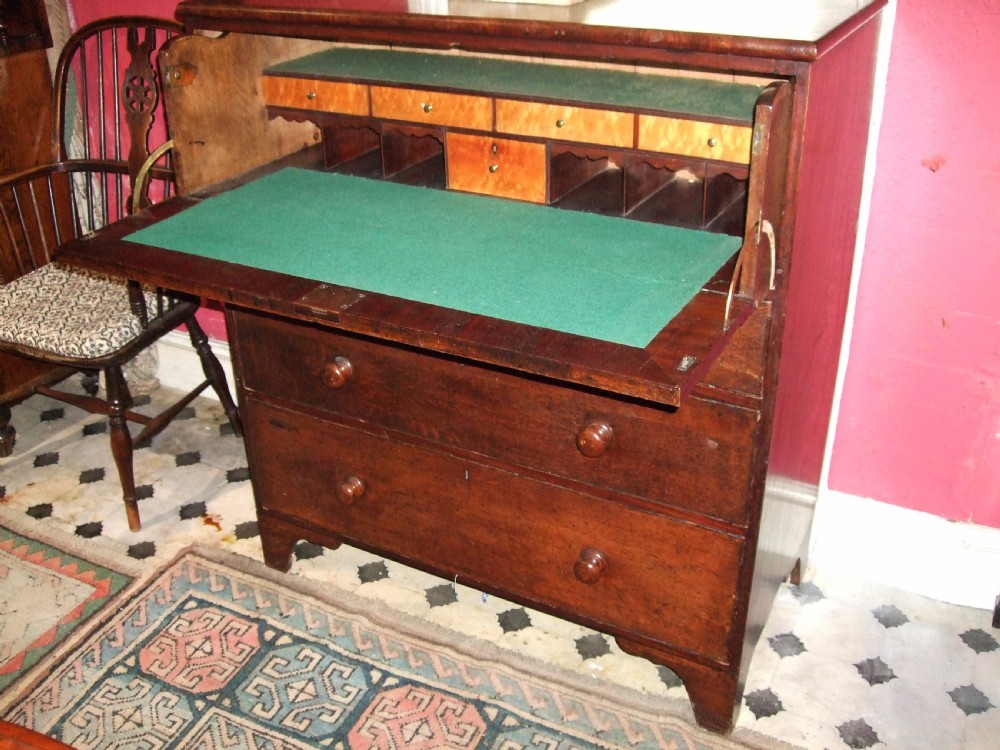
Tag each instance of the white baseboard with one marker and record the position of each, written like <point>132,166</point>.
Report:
<point>906,549</point>
<point>179,366</point>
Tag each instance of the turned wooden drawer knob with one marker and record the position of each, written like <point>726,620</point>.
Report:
<point>336,374</point>
<point>350,490</point>
<point>594,439</point>
<point>591,566</point>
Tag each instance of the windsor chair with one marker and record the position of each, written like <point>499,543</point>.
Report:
<point>56,320</point>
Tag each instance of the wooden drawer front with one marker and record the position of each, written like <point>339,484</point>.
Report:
<point>697,457</point>
<point>705,140</point>
<point>566,123</point>
<point>323,96</point>
<point>672,580</point>
<point>433,107</point>
<point>496,166</point>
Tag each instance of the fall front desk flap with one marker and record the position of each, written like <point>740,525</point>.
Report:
<point>606,278</point>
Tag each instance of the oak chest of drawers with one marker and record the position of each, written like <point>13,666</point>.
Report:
<point>569,499</point>
<point>410,464</point>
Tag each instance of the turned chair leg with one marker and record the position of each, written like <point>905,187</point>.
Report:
<point>214,372</point>
<point>7,433</point>
<point>119,401</point>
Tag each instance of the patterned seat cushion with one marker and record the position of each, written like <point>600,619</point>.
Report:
<point>69,312</point>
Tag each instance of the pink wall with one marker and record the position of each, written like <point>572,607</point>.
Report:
<point>920,417</point>
<point>85,11</point>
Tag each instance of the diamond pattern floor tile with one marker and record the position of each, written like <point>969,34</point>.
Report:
<point>839,665</point>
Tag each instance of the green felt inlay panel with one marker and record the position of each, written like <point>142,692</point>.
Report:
<point>690,96</point>
<point>606,278</point>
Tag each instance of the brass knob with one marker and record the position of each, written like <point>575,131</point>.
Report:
<point>350,490</point>
<point>427,107</point>
<point>494,168</point>
<point>594,439</point>
<point>560,123</point>
<point>311,95</point>
<point>713,142</point>
<point>336,374</point>
<point>591,565</point>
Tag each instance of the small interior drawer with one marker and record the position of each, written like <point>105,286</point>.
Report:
<point>704,140</point>
<point>496,166</point>
<point>322,96</point>
<point>562,122</point>
<point>432,107</point>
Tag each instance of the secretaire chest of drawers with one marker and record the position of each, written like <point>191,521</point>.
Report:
<point>544,298</point>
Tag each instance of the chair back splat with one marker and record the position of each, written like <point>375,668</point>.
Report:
<point>108,108</point>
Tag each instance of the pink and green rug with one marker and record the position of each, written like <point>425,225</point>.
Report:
<point>46,593</point>
<point>217,651</point>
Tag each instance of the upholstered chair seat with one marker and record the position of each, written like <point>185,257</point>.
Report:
<point>71,313</point>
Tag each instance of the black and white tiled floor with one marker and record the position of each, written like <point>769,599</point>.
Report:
<point>841,664</point>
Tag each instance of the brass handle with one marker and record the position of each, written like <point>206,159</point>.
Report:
<point>427,107</point>
<point>713,142</point>
<point>350,490</point>
<point>591,565</point>
<point>336,374</point>
<point>594,439</point>
<point>494,168</point>
<point>311,95</point>
<point>560,123</point>
<point>140,195</point>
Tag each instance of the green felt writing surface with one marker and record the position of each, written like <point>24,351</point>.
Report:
<point>613,88</point>
<point>605,278</point>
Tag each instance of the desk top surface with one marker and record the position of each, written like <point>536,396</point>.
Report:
<point>665,371</point>
<point>611,279</point>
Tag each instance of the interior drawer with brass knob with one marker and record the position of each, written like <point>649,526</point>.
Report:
<point>322,96</point>
<point>502,167</point>
<point>585,554</point>
<point>432,107</point>
<point>703,140</point>
<point>695,457</point>
<point>567,123</point>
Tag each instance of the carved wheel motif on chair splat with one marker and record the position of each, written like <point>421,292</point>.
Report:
<point>140,94</point>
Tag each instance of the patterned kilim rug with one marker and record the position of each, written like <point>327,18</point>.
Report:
<point>217,651</point>
<point>48,592</point>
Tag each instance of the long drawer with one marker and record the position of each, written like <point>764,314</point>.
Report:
<point>697,457</point>
<point>535,540</point>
